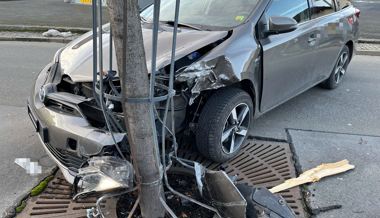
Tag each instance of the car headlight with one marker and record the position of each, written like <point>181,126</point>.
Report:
<point>45,90</point>
<point>105,174</point>
<point>42,94</point>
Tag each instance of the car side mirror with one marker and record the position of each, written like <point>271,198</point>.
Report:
<point>279,25</point>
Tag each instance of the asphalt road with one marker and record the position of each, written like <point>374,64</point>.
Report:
<point>369,18</point>
<point>19,63</point>
<point>352,108</point>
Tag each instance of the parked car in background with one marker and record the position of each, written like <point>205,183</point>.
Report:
<point>235,60</point>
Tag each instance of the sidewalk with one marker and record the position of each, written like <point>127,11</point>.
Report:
<point>54,13</point>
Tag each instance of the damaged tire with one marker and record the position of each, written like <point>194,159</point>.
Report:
<point>224,123</point>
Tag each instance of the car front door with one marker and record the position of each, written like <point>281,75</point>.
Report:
<point>288,58</point>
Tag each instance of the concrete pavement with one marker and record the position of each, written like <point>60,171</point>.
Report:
<point>19,64</point>
<point>45,13</point>
<point>358,190</point>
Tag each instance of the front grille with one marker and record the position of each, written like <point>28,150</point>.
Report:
<point>68,159</point>
<point>58,106</point>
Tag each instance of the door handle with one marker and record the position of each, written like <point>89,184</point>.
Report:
<point>312,39</point>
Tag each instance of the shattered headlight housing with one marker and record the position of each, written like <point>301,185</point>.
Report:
<point>105,174</point>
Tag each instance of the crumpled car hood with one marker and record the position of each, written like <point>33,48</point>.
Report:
<point>76,58</point>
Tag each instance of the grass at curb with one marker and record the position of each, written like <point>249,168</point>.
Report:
<point>41,187</point>
<point>21,207</point>
<point>37,190</point>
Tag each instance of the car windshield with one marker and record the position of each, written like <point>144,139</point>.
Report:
<point>211,13</point>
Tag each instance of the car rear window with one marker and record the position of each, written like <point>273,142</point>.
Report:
<point>321,8</point>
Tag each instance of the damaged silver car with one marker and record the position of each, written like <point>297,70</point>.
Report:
<point>235,60</point>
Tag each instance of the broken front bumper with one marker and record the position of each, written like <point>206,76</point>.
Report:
<point>68,138</point>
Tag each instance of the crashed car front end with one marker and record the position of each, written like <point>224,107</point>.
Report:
<point>70,123</point>
<point>65,132</point>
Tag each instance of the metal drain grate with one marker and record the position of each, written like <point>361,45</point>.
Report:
<point>261,164</point>
<point>56,202</point>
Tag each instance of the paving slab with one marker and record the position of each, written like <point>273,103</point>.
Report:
<point>358,190</point>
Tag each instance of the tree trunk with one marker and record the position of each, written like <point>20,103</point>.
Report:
<point>140,123</point>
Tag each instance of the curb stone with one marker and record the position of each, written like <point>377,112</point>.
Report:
<point>36,39</point>
<point>369,41</point>
<point>22,28</point>
<point>368,53</point>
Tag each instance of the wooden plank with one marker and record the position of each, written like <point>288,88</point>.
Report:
<point>315,175</point>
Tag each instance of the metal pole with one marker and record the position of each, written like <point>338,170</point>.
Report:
<point>111,50</point>
<point>156,20</point>
<point>100,44</point>
<point>95,48</point>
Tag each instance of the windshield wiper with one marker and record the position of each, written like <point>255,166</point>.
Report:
<point>171,23</point>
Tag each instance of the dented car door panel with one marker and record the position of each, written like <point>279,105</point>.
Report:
<point>289,61</point>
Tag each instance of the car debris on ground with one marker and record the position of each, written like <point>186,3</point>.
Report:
<point>315,175</point>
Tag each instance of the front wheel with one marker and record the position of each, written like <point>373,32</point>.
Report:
<point>224,124</point>
<point>339,70</point>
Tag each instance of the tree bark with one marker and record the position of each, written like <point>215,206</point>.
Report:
<point>140,123</point>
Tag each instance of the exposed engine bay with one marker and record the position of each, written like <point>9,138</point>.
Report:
<point>190,81</point>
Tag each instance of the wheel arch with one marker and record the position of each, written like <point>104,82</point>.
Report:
<point>350,45</point>
<point>248,86</point>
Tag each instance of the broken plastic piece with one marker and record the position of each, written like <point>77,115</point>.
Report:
<point>199,174</point>
<point>319,210</point>
<point>105,174</point>
<point>271,205</point>
<point>314,175</point>
<point>224,195</point>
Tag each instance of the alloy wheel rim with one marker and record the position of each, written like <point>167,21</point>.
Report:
<point>340,69</point>
<point>235,129</point>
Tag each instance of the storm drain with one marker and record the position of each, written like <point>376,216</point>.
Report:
<point>56,202</point>
<point>261,164</point>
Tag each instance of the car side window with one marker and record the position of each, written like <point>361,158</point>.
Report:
<point>296,9</point>
<point>321,8</point>
<point>342,4</point>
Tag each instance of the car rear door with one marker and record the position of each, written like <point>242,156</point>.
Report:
<point>332,32</point>
<point>334,27</point>
<point>288,58</point>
